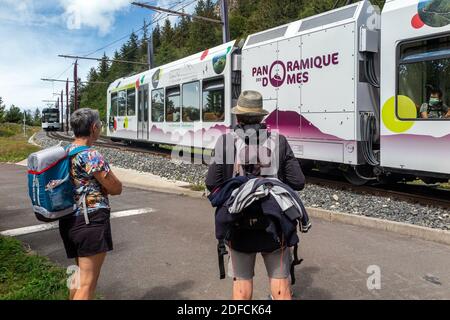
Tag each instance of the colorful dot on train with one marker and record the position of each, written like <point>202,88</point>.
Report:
<point>406,110</point>
<point>417,22</point>
<point>204,54</point>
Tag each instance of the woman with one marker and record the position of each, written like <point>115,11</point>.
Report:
<point>88,240</point>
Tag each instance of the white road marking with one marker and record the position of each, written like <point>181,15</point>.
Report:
<point>28,230</point>
<point>55,225</point>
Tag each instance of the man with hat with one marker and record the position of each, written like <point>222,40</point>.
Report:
<point>226,164</point>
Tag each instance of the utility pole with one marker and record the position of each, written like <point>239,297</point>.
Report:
<point>225,21</point>
<point>61,128</point>
<point>75,80</point>
<point>67,106</point>
<point>24,124</point>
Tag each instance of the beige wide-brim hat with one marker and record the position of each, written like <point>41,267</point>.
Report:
<point>250,103</point>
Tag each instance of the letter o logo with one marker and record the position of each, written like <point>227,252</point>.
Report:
<point>277,80</point>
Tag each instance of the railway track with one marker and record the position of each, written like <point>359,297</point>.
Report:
<point>106,142</point>
<point>416,194</point>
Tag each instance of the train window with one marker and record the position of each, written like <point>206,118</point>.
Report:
<point>173,105</point>
<point>131,102</point>
<point>114,104</point>
<point>424,77</point>
<point>158,105</point>
<point>214,101</point>
<point>191,102</point>
<point>122,104</point>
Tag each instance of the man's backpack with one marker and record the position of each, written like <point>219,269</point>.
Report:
<point>253,153</point>
<point>49,184</point>
<point>253,159</point>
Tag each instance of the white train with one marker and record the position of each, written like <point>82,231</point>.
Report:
<point>50,119</point>
<point>349,89</point>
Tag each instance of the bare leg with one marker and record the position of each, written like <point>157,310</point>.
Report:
<point>280,289</point>
<point>242,289</point>
<point>89,273</point>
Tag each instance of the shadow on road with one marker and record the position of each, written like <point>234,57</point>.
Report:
<point>169,293</point>
<point>304,290</point>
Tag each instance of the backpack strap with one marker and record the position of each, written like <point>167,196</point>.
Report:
<point>296,262</point>
<point>77,150</point>
<point>81,203</point>
<point>221,252</point>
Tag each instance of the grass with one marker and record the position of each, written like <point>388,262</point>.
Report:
<point>27,276</point>
<point>14,146</point>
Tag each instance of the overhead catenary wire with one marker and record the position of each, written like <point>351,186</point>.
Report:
<point>156,20</point>
<point>129,34</point>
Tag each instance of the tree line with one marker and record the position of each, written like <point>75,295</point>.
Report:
<point>189,36</point>
<point>15,115</point>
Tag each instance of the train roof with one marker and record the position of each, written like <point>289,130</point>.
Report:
<point>50,110</point>
<point>308,25</point>
<point>199,57</point>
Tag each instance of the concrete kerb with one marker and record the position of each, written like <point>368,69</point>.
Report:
<point>147,181</point>
<point>31,141</point>
<point>429,234</point>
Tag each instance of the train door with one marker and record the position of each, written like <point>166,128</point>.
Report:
<point>143,114</point>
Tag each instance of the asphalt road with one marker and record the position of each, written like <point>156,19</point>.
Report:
<point>171,252</point>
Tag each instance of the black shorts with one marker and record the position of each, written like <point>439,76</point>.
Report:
<point>86,240</point>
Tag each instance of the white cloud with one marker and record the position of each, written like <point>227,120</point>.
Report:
<point>25,12</point>
<point>30,56</point>
<point>98,14</point>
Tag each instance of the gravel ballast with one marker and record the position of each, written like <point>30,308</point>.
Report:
<point>313,195</point>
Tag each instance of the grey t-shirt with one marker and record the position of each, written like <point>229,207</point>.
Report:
<point>434,113</point>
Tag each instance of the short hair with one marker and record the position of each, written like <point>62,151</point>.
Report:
<point>436,91</point>
<point>249,120</point>
<point>82,120</point>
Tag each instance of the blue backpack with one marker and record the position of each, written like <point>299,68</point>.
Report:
<point>49,185</point>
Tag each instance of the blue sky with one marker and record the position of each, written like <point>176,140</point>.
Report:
<point>34,32</point>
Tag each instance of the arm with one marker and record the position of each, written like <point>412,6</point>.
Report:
<point>293,173</point>
<point>447,115</point>
<point>109,182</point>
<point>424,111</point>
<point>216,174</point>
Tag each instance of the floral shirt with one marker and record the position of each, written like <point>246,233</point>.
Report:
<point>83,167</point>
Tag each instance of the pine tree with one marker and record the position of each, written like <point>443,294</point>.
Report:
<point>203,34</point>
<point>144,43</point>
<point>156,36</point>
<point>14,115</point>
<point>103,68</point>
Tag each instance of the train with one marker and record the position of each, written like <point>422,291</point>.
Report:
<point>50,119</point>
<point>348,88</point>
